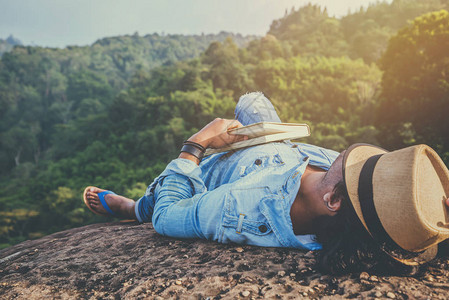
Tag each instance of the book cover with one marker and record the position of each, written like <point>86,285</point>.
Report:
<point>262,133</point>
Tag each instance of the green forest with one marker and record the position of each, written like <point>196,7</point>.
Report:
<point>113,114</point>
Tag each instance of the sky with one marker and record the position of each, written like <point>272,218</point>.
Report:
<point>58,23</point>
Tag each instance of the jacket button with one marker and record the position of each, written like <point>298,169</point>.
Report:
<point>258,162</point>
<point>263,228</point>
<point>305,158</point>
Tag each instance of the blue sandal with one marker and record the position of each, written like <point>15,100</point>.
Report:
<point>102,200</point>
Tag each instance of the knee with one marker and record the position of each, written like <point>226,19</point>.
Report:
<point>249,99</point>
<point>249,105</point>
<point>255,107</point>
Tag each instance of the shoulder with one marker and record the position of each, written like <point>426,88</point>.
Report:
<point>319,156</point>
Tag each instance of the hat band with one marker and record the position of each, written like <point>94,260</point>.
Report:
<point>366,198</point>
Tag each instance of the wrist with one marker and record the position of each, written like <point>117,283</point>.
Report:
<point>192,151</point>
<point>189,156</point>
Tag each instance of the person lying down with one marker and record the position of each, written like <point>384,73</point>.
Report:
<point>362,208</point>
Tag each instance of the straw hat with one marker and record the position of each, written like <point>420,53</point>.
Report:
<point>399,198</point>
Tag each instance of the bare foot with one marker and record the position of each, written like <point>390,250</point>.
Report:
<point>120,205</point>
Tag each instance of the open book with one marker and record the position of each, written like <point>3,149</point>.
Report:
<point>264,132</point>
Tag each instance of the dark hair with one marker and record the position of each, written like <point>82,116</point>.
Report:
<point>347,246</point>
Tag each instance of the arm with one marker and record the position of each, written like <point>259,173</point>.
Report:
<point>184,207</point>
<point>214,135</point>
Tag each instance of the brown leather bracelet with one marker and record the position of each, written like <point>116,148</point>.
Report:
<point>191,149</point>
<point>199,146</point>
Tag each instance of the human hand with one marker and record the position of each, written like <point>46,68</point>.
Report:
<point>215,134</point>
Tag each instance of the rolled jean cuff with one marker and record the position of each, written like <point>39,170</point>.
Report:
<point>144,210</point>
<point>136,211</point>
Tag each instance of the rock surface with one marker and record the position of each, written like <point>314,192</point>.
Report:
<point>131,261</point>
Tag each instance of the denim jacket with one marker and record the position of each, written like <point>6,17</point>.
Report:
<point>244,197</point>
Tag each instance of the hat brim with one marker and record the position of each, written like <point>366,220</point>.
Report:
<point>421,258</point>
<point>353,162</point>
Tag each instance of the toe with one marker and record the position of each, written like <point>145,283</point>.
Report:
<point>92,196</point>
<point>95,190</point>
<point>92,193</point>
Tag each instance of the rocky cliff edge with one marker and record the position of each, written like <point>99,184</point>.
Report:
<point>131,261</point>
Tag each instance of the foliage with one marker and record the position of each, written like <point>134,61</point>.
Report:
<point>362,34</point>
<point>43,89</point>
<point>311,31</point>
<point>415,85</point>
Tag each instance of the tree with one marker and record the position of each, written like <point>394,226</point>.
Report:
<point>415,83</point>
<point>311,32</point>
<point>225,70</point>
